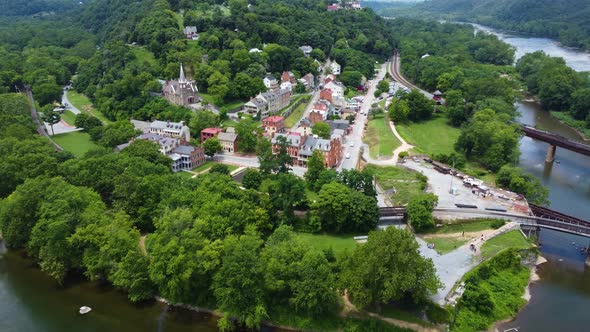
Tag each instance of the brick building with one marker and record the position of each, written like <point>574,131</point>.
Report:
<point>273,124</point>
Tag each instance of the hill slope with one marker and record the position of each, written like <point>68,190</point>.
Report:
<point>565,20</point>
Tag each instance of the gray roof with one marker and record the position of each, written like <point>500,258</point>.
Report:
<point>184,149</point>
<point>294,139</point>
<point>338,124</point>
<point>167,125</point>
<point>311,144</point>
<point>227,137</point>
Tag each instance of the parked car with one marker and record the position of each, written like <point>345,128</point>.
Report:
<point>351,144</point>
<point>348,156</point>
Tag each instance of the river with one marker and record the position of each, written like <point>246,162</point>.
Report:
<point>561,299</point>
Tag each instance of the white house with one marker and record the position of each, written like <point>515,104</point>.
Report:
<point>270,82</point>
<point>336,87</point>
<point>287,86</point>
<point>335,68</point>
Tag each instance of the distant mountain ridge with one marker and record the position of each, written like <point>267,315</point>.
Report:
<point>565,20</point>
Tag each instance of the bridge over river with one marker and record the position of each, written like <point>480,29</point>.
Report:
<point>554,141</point>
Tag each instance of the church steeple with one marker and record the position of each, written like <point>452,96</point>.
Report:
<point>182,79</point>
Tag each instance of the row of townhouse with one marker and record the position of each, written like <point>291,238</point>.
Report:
<point>301,147</point>
<point>228,138</point>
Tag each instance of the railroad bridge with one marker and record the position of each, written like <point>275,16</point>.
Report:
<point>554,141</point>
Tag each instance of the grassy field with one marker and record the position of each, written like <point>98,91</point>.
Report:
<point>339,243</point>
<point>209,164</point>
<point>68,117</point>
<point>84,104</point>
<point>444,245</point>
<point>184,174</point>
<point>512,239</point>
<point>407,184</point>
<point>380,138</point>
<point>294,117</point>
<point>430,137</point>
<point>76,142</point>
<point>222,106</point>
<point>465,225</point>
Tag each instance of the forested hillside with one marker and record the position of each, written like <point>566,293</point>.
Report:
<point>565,20</point>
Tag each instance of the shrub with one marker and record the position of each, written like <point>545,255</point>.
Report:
<point>404,154</point>
<point>437,314</point>
<point>498,223</point>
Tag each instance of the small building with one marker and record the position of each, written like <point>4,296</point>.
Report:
<point>437,97</point>
<point>271,83</point>
<point>330,148</point>
<point>309,81</point>
<point>306,49</point>
<point>287,86</point>
<point>229,142</point>
<point>336,87</point>
<point>190,32</point>
<point>333,7</point>
<point>273,124</point>
<point>326,94</point>
<point>335,68</point>
<point>294,140</point>
<point>181,92</point>
<point>288,76</point>
<point>342,125</point>
<point>209,132</point>
<point>186,157</point>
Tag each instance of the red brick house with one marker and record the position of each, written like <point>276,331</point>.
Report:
<point>273,124</point>
<point>288,76</point>
<point>295,140</point>
<point>326,94</point>
<point>209,132</point>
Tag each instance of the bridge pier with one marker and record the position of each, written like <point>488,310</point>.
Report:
<point>530,231</point>
<point>588,256</point>
<point>550,153</point>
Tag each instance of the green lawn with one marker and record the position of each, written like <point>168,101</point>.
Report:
<point>512,239</point>
<point>406,183</point>
<point>76,142</point>
<point>339,243</point>
<point>208,164</point>
<point>69,117</point>
<point>430,137</point>
<point>228,123</point>
<point>465,225</point>
<point>84,104</point>
<point>222,105</point>
<point>294,117</point>
<point>380,138</point>
<point>184,174</point>
<point>445,245</point>
<point>292,102</point>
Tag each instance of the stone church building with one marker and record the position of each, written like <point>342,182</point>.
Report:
<point>182,91</point>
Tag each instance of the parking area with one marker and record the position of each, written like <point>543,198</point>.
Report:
<point>451,191</point>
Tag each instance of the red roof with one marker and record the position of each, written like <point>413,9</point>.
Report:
<point>274,118</point>
<point>212,130</point>
<point>320,107</point>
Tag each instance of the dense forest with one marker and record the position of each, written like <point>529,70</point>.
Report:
<point>564,20</point>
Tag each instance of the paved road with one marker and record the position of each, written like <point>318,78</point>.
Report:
<point>314,97</point>
<point>70,107</point>
<point>356,136</point>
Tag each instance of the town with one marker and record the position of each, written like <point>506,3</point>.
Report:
<point>293,165</point>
